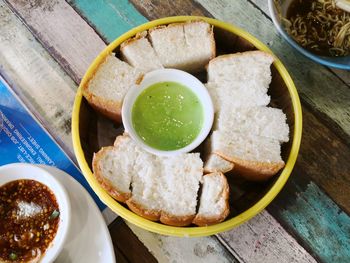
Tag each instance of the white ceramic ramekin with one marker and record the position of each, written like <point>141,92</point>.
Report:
<point>181,77</point>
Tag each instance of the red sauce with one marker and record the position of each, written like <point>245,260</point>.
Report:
<point>29,217</point>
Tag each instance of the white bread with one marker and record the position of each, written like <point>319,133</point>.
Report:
<point>242,67</point>
<point>187,46</point>
<point>235,145</point>
<point>246,132</point>
<point>139,53</point>
<point>215,163</point>
<point>260,121</point>
<point>163,188</point>
<point>238,95</point>
<point>213,206</point>
<point>106,90</point>
<point>240,79</point>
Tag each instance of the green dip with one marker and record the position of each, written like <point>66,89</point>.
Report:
<point>167,116</point>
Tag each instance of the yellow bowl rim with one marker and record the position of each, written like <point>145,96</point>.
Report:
<point>188,231</point>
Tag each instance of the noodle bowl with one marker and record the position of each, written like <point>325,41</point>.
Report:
<point>319,26</point>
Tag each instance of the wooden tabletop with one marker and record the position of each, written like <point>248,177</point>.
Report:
<point>47,45</point>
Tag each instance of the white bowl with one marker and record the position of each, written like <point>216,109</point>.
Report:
<point>173,75</point>
<point>18,171</point>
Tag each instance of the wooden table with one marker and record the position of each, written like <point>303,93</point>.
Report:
<point>45,48</point>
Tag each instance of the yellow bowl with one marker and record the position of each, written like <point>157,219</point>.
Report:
<point>283,95</point>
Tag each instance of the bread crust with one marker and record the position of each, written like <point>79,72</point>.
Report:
<point>104,182</point>
<point>253,170</point>
<point>200,67</point>
<point>242,54</point>
<point>110,108</point>
<point>138,36</point>
<point>200,220</point>
<point>174,220</point>
<point>152,215</point>
<point>208,171</point>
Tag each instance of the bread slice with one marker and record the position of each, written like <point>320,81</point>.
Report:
<point>179,185</point>
<point>214,206</point>
<point>260,121</point>
<point>155,187</point>
<point>113,167</point>
<point>139,53</point>
<point>242,67</point>
<point>246,132</point>
<point>106,90</point>
<point>215,163</point>
<point>236,94</point>
<point>187,46</point>
<point>254,157</point>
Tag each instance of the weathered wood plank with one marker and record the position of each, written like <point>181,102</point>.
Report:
<point>324,158</point>
<point>323,226</point>
<point>254,240</point>
<point>153,9</point>
<point>127,244</point>
<point>38,79</point>
<point>316,84</point>
<point>69,39</point>
<point>109,18</point>
<point>179,249</point>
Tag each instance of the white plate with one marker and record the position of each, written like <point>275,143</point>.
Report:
<point>88,239</point>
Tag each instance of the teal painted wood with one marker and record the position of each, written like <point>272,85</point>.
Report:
<point>110,18</point>
<point>321,224</point>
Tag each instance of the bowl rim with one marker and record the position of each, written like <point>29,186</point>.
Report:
<point>188,231</point>
<point>62,197</point>
<point>319,59</point>
<point>173,75</point>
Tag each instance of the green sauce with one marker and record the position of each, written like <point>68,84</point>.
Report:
<point>167,116</point>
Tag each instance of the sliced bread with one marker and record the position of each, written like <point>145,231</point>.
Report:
<point>155,187</point>
<point>241,67</point>
<point>215,163</point>
<point>254,157</point>
<point>246,132</point>
<point>139,53</point>
<point>106,90</point>
<point>213,203</point>
<point>237,95</point>
<point>187,46</point>
<point>260,121</point>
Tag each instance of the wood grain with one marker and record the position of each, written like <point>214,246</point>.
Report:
<point>38,80</point>
<point>156,9</point>
<point>263,239</point>
<point>110,18</point>
<point>127,245</point>
<point>68,38</point>
<point>319,224</point>
<point>179,249</point>
<point>318,86</point>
